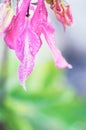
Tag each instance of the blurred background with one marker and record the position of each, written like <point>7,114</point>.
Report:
<point>55,99</point>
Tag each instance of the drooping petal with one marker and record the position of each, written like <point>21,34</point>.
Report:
<point>16,26</point>
<point>16,39</point>
<point>42,26</point>
<point>24,41</point>
<point>32,44</point>
<point>27,62</point>
<point>58,58</point>
<point>62,12</point>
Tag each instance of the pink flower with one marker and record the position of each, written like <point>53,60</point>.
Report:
<point>62,12</point>
<point>23,36</point>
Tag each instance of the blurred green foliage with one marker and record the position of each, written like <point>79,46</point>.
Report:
<point>48,104</point>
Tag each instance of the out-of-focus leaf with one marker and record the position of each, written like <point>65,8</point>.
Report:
<point>46,105</point>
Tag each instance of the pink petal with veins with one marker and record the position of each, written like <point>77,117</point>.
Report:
<point>32,44</point>
<point>42,26</point>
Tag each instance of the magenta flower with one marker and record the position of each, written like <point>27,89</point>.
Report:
<point>23,36</point>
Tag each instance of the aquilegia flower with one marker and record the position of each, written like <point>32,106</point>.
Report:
<point>23,35</point>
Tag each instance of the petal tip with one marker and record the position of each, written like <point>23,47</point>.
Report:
<point>24,86</point>
<point>70,66</point>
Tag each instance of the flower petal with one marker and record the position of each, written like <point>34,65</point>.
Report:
<point>42,26</point>
<point>16,26</point>
<point>31,47</point>
<point>62,12</point>
<point>27,63</point>
<point>58,58</point>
